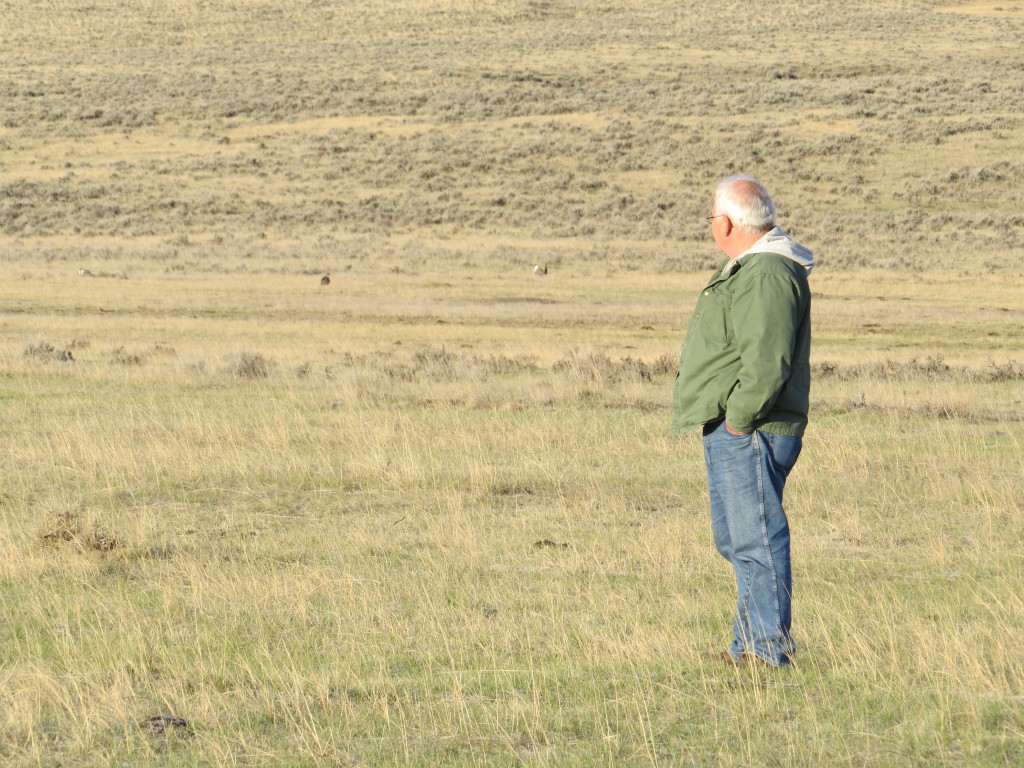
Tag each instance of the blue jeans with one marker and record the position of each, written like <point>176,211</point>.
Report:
<point>746,477</point>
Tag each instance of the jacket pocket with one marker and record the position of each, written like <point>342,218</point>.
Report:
<point>713,315</point>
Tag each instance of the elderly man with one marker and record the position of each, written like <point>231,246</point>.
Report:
<point>744,377</point>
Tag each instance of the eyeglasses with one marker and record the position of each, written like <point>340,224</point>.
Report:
<point>717,215</point>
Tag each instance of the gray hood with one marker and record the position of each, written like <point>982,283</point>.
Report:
<point>777,241</point>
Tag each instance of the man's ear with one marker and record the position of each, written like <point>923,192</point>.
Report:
<point>727,226</point>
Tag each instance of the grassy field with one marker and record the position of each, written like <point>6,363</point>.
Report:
<point>429,514</point>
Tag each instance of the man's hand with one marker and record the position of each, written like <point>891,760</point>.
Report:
<point>732,431</point>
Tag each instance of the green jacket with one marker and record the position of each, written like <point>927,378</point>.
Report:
<point>746,355</point>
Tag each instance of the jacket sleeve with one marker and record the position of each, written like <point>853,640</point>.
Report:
<point>766,315</point>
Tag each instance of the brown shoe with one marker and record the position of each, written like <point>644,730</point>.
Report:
<point>753,660</point>
<point>747,659</point>
<point>724,657</point>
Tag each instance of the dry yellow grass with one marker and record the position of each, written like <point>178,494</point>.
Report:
<point>429,514</point>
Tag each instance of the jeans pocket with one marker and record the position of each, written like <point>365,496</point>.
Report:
<point>784,451</point>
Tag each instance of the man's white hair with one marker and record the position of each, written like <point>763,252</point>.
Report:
<point>746,202</point>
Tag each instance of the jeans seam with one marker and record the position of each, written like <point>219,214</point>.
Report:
<point>764,533</point>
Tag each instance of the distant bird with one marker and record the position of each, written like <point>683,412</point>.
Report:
<point>539,270</point>
<point>325,280</point>
<point>85,273</point>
